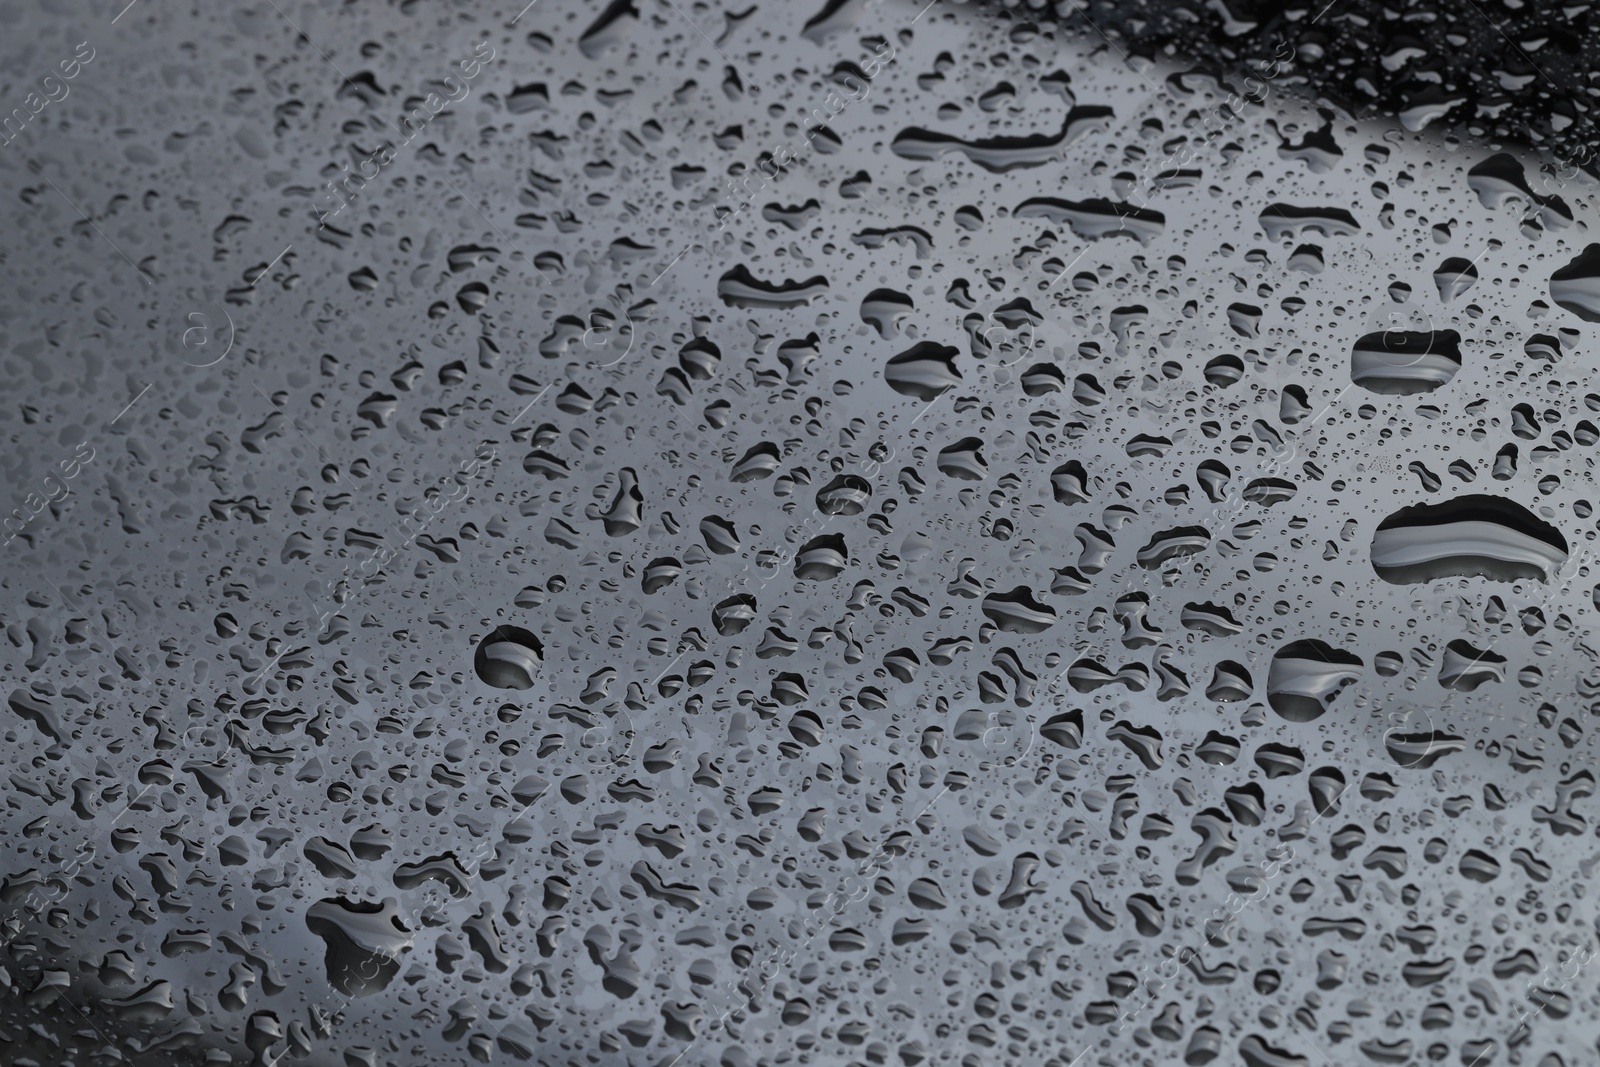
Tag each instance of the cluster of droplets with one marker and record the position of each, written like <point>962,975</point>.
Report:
<point>948,611</point>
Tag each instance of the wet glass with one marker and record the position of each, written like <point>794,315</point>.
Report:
<point>848,533</point>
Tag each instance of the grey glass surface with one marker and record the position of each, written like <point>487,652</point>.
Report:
<point>837,534</point>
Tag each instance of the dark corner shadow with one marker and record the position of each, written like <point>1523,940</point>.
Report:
<point>1515,79</point>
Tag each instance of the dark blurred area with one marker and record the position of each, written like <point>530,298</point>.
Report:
<point>1521,74</point>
